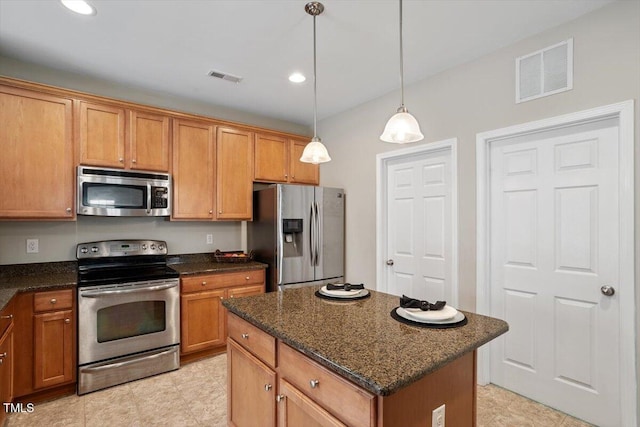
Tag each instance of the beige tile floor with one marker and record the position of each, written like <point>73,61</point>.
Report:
<point>195,395</point>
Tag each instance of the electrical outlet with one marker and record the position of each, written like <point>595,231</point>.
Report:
<point>209,239</point>
<point>32,246</point>
<point>437,417</point>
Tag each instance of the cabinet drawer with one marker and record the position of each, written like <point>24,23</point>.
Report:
<point>345,400</point>
<point>245,291</point>
<point>53,300</point>
<point>222,280</point>
<point>253,339</point>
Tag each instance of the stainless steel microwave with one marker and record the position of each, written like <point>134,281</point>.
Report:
<point>115,192</point>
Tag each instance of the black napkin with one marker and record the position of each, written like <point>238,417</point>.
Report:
<point>345,287</point>
<point>406,302</point>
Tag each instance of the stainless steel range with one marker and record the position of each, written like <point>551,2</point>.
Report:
<point>128,312</point>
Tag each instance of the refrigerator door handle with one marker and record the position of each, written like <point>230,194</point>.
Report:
<point>311,234</point>
<point>318,234</point>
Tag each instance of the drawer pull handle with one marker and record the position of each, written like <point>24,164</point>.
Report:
<point>53,300</point>
<point>279,398</point>
<point>67,320</point>
<point>245,336</point>
<point>9,316</point>
<point>268,387</point>
<point>314,383</point>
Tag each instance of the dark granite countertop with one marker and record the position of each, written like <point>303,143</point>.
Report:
<point>58,275</point>
<point>358,339</point>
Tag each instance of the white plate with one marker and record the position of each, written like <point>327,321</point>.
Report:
<point>447,312</point>
<point>344,294</point>
<point>406,315</point>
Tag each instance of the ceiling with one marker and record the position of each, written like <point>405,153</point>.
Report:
<point>169,46</point>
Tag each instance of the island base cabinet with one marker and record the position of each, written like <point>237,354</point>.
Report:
<point>251,389</point>
<point>6,370</point>
<point>296,409</point>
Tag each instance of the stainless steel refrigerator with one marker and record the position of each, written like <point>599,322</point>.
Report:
<point>298,230</point>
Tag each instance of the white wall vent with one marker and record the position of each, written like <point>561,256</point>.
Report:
<point>225,76</point>
<point>545,72</point>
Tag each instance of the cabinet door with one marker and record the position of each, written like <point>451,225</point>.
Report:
<point>193,163</point>
<point>102,135</point>
<point>271,156</point>
<point>301,173</point>
<point>148,141</point>
<point>202,322</point>
<point>252,389</point>
<point>6,371</point>
<point>54,355</point>
<point>296,409</point>
<point>234,173</point>
<point>36,155</point>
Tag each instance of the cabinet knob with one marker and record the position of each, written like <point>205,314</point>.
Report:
<point>314,383</point>
<point>219,212</point>
<point>121,160</point>
<point>211,211</point>
<point>53,300</point>
<point>9,316</point>
<point>3,355</point>
<point>268,387</point>
<point>204,283</point>
<point>246,278</point>
<point>67,320</point>
<point>280,398</point>
<point>245,336</point>
<point>134,161</point>
<point>286,175</point>
<point>68,210</point>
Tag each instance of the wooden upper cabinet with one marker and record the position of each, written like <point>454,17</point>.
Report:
<point>114,137</point>
<point>299,172</point>
<point>271,158</point>
<point>193,170</point>
<point>36,155</point>
<point>149,141</point>
<point>234,173</point>
<point>102,138</point>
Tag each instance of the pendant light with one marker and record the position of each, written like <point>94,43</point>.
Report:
<point>315,152</point>
<point>402,127</point>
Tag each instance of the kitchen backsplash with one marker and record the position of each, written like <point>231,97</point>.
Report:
<point>57,240</point>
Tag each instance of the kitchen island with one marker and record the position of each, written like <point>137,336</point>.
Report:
<point>348,362</point>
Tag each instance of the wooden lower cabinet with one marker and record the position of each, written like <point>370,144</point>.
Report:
<point>252,394</point>
<point>203,318</point>
<point>297,409</point>
<point>6,362</point>
<point>53,348</point>
<point>44,344</point>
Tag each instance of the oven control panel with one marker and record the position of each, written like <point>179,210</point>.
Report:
<point>115,248</point>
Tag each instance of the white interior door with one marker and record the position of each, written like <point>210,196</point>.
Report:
<point>553,246</point>
<point>419,229</point>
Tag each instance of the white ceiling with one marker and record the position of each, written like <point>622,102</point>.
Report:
<point>169,46</point>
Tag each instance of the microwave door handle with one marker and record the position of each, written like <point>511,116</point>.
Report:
<point>98,294</point>
<point>148,198</point>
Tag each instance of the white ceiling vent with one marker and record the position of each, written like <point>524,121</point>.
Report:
<point>225,76</point>
<point>545,72</point>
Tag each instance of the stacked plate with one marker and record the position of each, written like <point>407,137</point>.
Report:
<point>340,293</point>
<point>435,317</point>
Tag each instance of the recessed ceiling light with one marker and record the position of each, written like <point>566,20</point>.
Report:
<point>297,78</point>
<point>79,6</point>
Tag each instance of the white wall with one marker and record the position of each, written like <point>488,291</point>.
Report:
<point>477,97</point>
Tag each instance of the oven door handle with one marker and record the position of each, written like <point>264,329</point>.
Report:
<point>128,362</point>
<point>98,294</point>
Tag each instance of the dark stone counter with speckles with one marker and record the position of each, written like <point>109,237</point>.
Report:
<point>359,340</point>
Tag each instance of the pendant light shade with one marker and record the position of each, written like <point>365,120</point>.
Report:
<point>402,127</point>
<point>315,152</point>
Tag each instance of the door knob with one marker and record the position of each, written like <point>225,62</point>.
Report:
<point>607,290</point>
<point>389,262</point>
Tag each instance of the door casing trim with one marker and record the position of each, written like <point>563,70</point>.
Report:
<point>382,164</point>
<point>624,112</point>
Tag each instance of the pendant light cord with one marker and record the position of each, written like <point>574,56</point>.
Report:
<point>315,85</point>
<point>401,61</point>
